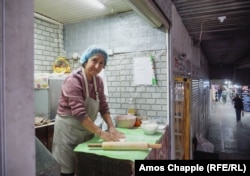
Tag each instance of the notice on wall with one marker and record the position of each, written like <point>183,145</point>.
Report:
<point>182,66</point>
<point>144,72</point>
<point>41,80</point>
<point>246,98</point>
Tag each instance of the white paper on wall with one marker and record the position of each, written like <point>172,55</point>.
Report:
<point>143,71</point>
<point>104,79</point>
<point>41,80</point>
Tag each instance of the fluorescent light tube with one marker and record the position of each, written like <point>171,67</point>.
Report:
<point>97,3</point>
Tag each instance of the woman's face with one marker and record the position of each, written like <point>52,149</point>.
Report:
<point>94,65</point>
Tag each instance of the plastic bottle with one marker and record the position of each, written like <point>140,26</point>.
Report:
<point>131,107</point>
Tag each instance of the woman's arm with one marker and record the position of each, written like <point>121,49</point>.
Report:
<point>106,117</point>
<point>111,128</point>
<point>106,136</point>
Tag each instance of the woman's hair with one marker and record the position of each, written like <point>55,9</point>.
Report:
<point>91,51</point>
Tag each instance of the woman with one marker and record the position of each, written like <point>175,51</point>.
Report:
<point>82,97</point>
<point>238,105</point>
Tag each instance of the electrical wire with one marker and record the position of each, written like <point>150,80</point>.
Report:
<point>201,33</point>
<point>202,23</point>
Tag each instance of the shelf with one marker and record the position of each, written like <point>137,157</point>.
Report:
<point>45,134</point>
<point>45,125</point>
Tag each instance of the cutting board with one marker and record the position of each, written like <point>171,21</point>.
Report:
<point>132,135</point>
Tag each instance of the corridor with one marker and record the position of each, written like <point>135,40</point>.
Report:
<point>231,139</point>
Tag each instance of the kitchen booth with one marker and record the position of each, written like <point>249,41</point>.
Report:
<point>96,157</point>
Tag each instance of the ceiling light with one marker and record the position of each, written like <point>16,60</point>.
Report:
<point>222,18</point>
<point>97,3</point>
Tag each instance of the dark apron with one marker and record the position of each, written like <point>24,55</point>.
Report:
<point>69,132</point>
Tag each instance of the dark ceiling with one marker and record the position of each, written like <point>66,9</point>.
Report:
<point>226,44</point>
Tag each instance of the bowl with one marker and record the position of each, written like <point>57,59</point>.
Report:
<point>125,121</point>
<point>145,121</point>
<point>149,128</point>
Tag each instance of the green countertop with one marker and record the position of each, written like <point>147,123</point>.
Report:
<point>132,135</point>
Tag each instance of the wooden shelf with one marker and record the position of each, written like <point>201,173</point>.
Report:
<point>45,125</point>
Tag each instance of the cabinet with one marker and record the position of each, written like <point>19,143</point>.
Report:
<point>45,134</point>
<point>46,99</point>
<point>162,153</point>
<point>118,162</point>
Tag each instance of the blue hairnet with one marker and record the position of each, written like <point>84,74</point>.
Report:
<point>91,51</point>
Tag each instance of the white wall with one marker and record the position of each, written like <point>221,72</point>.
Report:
<point>48,44</point>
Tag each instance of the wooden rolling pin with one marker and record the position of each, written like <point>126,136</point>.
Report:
<point>124,145</point>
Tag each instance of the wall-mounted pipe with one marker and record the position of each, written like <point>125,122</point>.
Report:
<point>47,19</point>
<point>44,18</point>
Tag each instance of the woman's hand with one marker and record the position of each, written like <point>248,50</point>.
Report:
<point>112,135</point>
<point>116,133</point>
<point>108,136</point>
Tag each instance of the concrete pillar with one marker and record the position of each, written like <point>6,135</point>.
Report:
<point>17,136</point>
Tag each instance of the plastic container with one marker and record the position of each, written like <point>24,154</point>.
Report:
<point>131,107</point>
<point>149,128</point>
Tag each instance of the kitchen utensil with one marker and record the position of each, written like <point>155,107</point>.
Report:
<point>125,121</point>
<point>149,128</point>
<point>161,128</point>
<point>124,145</point>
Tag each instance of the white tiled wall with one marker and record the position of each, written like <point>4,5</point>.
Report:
<point>127,36</point>
<point>48,45</point>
